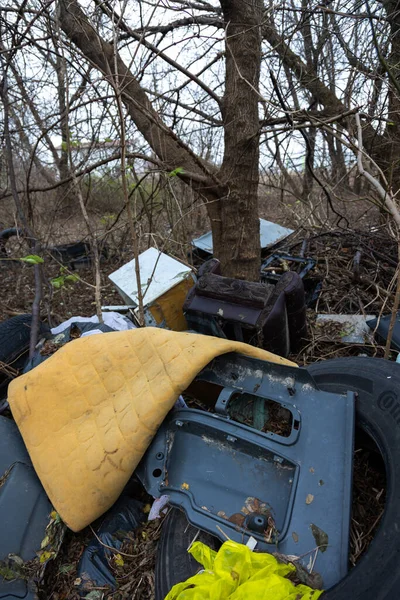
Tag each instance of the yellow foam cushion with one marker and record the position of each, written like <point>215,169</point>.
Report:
<point>89,412</point>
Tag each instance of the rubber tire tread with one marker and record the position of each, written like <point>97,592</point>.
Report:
<point>173,562</point>
<point>377,383</point>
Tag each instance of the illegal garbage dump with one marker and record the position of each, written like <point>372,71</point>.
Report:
<point>188,438</point>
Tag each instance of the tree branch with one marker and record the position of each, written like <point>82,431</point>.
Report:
<point>168,147</point>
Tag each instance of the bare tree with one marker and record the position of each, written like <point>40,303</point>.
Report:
<point>215,93</point>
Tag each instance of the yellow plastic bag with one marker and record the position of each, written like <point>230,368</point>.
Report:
<point>237,573</point>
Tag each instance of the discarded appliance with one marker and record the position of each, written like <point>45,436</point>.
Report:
<point>270,234</point>
<point>269,316</point>
<point>348,329</point>
<point>291,491</point>
<point>165,283</point>
<point>381,329</point>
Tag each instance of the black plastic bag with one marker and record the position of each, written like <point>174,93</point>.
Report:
<point>93,569</point>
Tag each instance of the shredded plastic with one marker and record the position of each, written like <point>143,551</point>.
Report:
<point>237,573</point>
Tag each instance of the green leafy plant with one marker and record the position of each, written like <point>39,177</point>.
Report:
<point>64,278</point>
<point>32,259</point>
<point>175,172</point>
<point>106,219</point>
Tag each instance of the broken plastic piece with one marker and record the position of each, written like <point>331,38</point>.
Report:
<point>220,461</point>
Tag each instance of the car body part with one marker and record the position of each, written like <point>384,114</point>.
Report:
<point>130,380</point>
<point>270,316</point>
<point>291,493</point>
<point>24,508</point>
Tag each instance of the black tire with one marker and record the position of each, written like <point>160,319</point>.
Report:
<point>377,383</point>
<point>173,562</point>
<point>14,345</point>
<point>377,574</point>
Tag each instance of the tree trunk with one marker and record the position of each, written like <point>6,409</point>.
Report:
<point>63,190</point>
<point>308,179</point>
<point>230,195</point>
<point>387,150</point>
<point>239,230</point>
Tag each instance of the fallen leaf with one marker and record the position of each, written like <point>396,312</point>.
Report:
<point>309,498</point>
<point>45,556</point>
<point>320,537</point>
<point>295,537</point>
<point>185,486</point>
<point>119,561</point>
<point>8,573</point>
<point>237,519</point>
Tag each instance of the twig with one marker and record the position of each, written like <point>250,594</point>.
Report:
<point>135,241</point>
<point>77,187</point>
<point>386,196</point>
<point>28,231</point>
<point>223,533</point>
<point>356,266</point>
<point>394,315</point>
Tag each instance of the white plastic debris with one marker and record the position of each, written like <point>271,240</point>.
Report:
<point>180,403</point>
<point>158,506</point>
<point>251,543</point>
<point>112,319</point>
